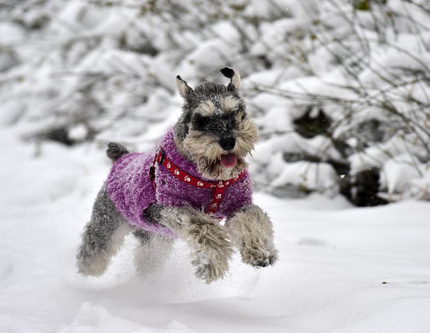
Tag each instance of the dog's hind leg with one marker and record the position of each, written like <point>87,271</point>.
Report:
<point>151,253</point>
<point>102,238</point>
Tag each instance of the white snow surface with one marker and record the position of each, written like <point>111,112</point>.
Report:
<point>341,269</point>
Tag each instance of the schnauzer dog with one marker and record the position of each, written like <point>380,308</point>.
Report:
<point>196,177</point>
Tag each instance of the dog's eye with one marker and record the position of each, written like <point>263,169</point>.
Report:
<point>200,121</point>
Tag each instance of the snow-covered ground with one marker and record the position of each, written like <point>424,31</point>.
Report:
<point>341,269</point>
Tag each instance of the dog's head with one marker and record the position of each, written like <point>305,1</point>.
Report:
<point>214,131</point>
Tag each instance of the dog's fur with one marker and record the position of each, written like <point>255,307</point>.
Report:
<point>213,122</point>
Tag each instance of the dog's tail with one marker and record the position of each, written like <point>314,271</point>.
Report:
<point>115,151</point>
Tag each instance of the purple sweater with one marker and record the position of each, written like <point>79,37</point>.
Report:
<point>130,188</point>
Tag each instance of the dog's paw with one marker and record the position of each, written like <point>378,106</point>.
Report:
<point>209,270</point>
<point>259,257</point>
<point>92,266</point>
<point>212,249</point>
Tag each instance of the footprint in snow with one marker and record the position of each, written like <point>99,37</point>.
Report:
<point>312,242</point>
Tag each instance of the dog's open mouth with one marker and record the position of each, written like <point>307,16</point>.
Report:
<point>228,160</point>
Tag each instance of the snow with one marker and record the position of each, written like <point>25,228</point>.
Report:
<point>78,133</point>
<point>101,64</point>
<point>315,176</point>
<point>341,269</point>
<point>398,175</point>
<point>105,71</point>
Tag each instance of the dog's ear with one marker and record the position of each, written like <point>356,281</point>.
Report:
<point>234,75</point>
<point>183,88</point>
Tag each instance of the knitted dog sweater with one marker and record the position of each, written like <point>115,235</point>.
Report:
<point>130,187</point>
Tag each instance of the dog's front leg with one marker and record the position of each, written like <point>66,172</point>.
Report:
<point>202,233</point>
<point>251,231</point>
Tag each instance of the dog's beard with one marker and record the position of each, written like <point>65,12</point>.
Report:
<point>214,170</point>
<point>204,150</point>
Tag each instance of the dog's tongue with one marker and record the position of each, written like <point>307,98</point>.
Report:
<point>228,160</point>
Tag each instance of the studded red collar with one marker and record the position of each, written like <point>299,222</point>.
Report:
<point>219,186</point>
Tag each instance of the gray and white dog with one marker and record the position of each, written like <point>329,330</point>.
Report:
<point>210,141</point>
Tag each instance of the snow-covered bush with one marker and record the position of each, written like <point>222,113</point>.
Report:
<point>340,90</point>
<point>349,110</point>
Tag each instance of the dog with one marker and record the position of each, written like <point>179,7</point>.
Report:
<point>196,177</point>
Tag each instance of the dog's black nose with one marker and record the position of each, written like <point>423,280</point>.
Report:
<point>227,143</point>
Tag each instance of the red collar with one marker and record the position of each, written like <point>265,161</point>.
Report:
<point>219,186</point>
